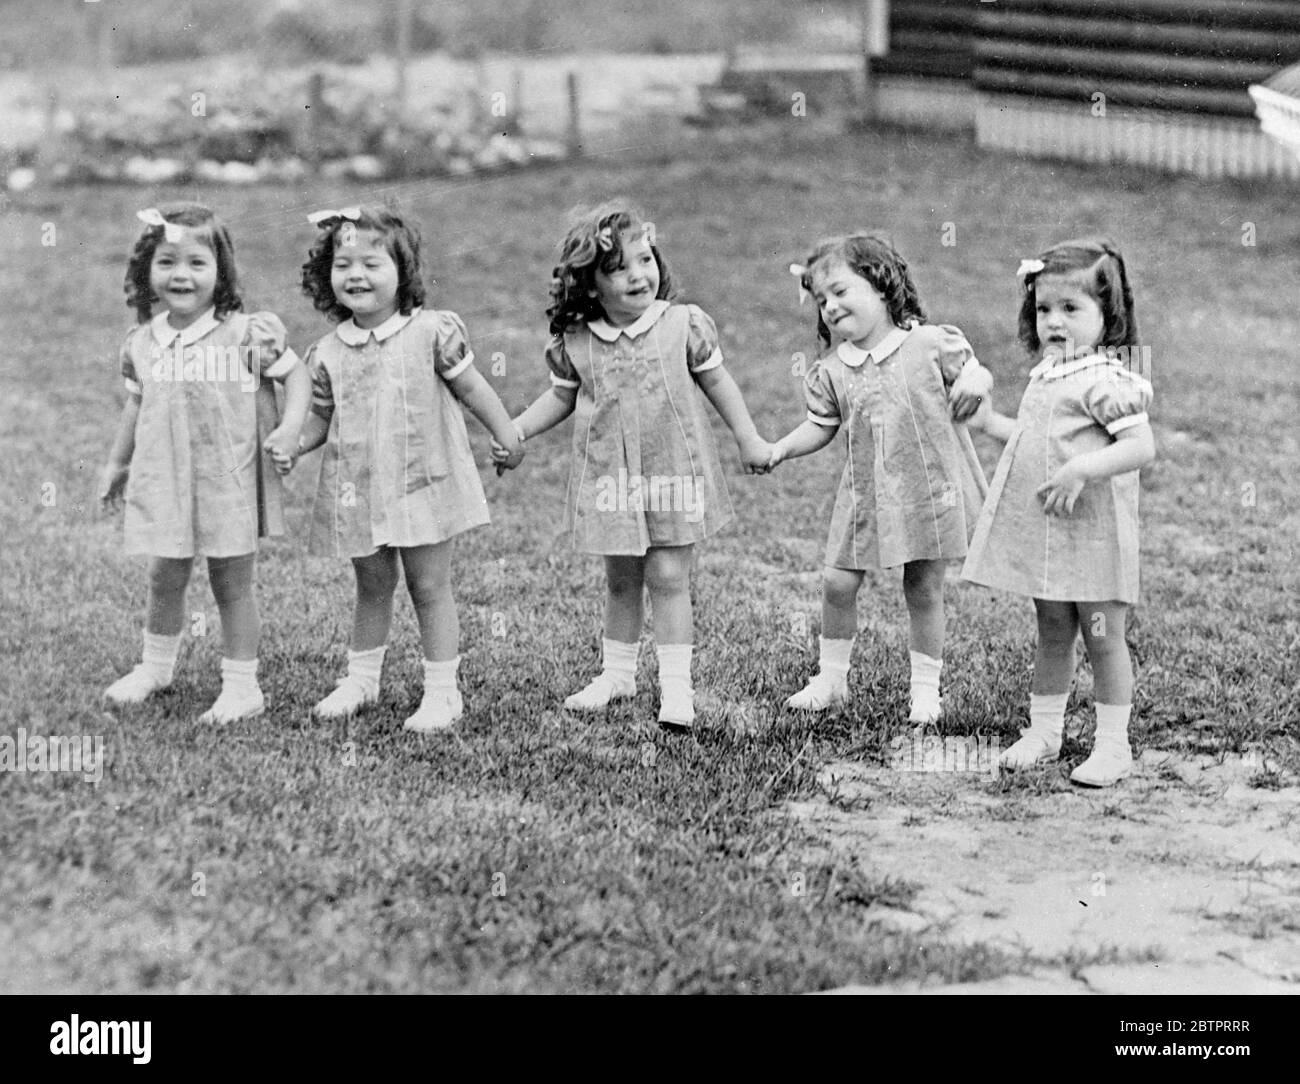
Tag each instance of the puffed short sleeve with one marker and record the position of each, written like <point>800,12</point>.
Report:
<point>702,350</point>
<point>563,373</point>
<point>322,391</point>
<point>451,352</point>
<point>819,395</point>
<point>1118,399</point>
<point>954,352</point>
<point>265,339</point>
<point>126,363</point>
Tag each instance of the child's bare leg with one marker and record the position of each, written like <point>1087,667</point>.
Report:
<point>1058,627</point>
<point>830,684</point>
<point>840,602</point>
<point>376,582</point>
<point>1103,635</point>
<point>624,616</point>
<point>923,592</point>
<point>428,579</point>
<point>371,620</point>
<point>668,576</point>
<point>168,579</point>
<point>164,620</point>
<point>232,584</point>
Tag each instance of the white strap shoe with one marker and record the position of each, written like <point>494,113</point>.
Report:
<point>232,706</point>
<point>437,711</point>
<point>349,696</point>
<point>135,687</point>
<point>822,692</point>
<point>1034,747</point>
<point>1107,766</point>
<point>597,694</point>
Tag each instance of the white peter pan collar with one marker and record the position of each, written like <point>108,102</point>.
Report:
<point>606,332</point>
<point>359,336</point>
<point>164,334</point>
<point>1051,369</point>
<point>853,355</point>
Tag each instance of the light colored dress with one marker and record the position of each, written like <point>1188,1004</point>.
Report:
<point>1090,555</point>
<point>912,486</point>
<point>200,484</point>
<point>397,468</point>
<point>645,466</point>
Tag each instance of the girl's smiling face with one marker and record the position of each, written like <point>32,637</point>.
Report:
<point>1070,322</point>
<point>852,309</point>
<point>364,276</point>
<point>625,294</point>
<point>183,276</point>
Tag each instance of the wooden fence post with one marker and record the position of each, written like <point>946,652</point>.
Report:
<point>574,141</point>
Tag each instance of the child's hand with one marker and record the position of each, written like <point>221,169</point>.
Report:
<point>282,447</point>
<point>969,390</point>
<point>777,457</point>
<point>508,457</point>
<point>113,486</point>
<point>756,455</point>
<point>1061,490</point>
<point>980,419</point>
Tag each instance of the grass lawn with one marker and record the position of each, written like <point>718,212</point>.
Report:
<point>529,851</point>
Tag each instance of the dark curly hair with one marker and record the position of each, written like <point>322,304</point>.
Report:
<point>587,248</point>
<point>872,257</point>
<point>1096,265</point>
<point>207,228</point>
<point>402,240</point>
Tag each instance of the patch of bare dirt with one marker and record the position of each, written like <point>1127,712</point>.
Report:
<point>1184,878</point>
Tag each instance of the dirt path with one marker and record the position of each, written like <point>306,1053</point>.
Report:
<point>1183,879</point>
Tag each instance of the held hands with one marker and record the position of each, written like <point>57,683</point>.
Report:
<point>282,447</point>
<point>508,458</point>
<point>1061,490</point>
<point>757,455</point>
<point>971,389</point>
<point>112,486</point>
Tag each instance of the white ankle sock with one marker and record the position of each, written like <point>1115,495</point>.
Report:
<point>239,675</point>
<point>159,657</point>
<point>619,659</point>
<point>925,675</point>
<point>440,677</point>
<point>1047,714</point>
<point>1112,724</point>
<point>675,669</point>
<point>833,657</point>
<point>366,666</point>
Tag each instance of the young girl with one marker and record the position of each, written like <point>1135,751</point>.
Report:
<point>397,480</point>
<point>646,484</point>
<point>912,485</point>
<point>197,421</point>
<point>1061,522</point>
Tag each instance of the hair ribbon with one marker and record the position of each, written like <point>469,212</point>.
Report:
<point>321,218</point>
<point>798,271</point>
<point>151,216</point>
<point>1027,268</point>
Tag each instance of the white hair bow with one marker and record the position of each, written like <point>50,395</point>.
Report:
<point>151,216</point>
<point>1027,268</point>
<point>316,218</point>
<point>798,271</point>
